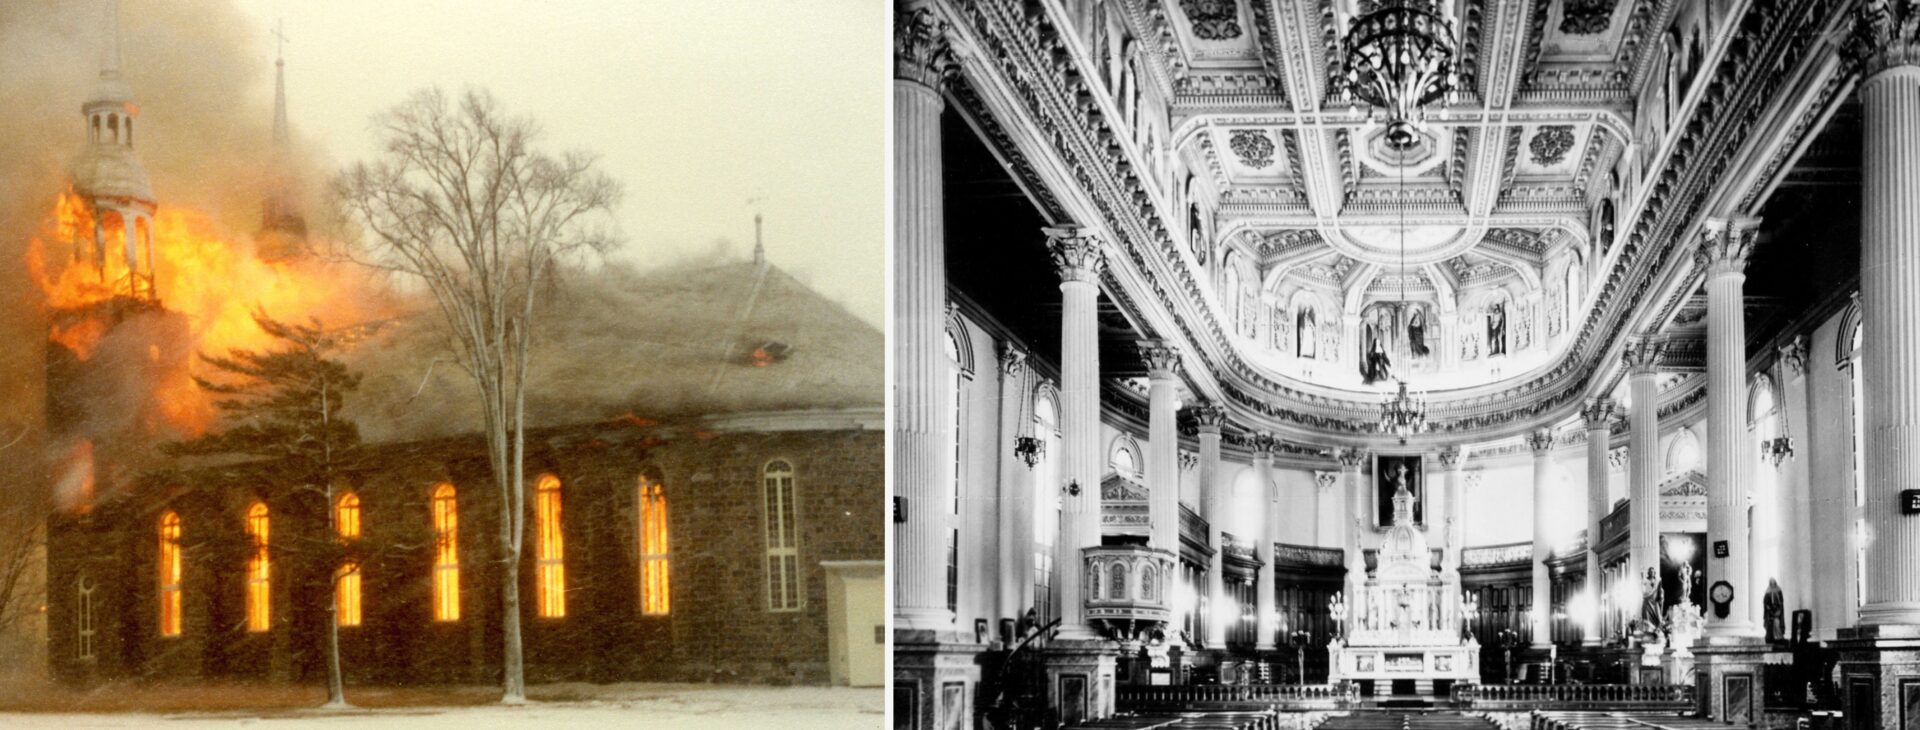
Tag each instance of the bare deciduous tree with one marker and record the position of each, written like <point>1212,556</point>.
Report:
<point>461,201</point>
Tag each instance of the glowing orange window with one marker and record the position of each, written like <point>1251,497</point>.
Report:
<point>655,592</point>
<point>170,571</point>
<point>550,550</point>
<point>346,522</point>
<point>259,570</point>
<point>446,554</point>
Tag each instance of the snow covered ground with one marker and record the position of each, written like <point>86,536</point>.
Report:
<point>650,706</point>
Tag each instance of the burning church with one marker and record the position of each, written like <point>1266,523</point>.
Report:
<point>704,464</point>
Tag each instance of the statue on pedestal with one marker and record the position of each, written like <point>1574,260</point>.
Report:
<point>1774,610</point>
<point>1652,601</point>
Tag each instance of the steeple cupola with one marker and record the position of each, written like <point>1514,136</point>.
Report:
<point>111,180</point>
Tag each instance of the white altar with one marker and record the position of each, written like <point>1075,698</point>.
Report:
<point>1404,622</point>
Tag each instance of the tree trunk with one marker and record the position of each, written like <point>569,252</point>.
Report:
<point>336,690</point>
<point>512,656</point>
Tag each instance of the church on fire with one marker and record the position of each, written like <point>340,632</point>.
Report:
<point>1266,363</point>
<point>704,478</point>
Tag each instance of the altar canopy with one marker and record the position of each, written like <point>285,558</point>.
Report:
<point>1405,621</point>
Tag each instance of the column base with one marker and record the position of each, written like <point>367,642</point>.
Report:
<point>1880,675</point>
<point>1080,685</point>
<point>935,678</point>
<point>1729,678</point>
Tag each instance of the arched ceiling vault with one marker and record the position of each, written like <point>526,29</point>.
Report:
<point>1536,142</point>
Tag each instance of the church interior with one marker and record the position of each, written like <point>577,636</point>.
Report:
<point>1403,363</point>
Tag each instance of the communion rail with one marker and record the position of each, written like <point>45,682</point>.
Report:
<point>1574,696</point>
<point>1236,696</point>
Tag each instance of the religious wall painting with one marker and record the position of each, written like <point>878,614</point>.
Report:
<point>1496,329</point>
<point>1307,329</point>
<point>1388,472</point>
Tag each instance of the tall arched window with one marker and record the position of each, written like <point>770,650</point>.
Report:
<point>1858,414</point>
<point>957,367</point>
<point>346,523</point>
<point>550,552</point>
<point>171,568</point>
<point>446,554</point>
<point>783,540</point>
<point>655,586</point>
<point>1763,511</point>
<point>83,617</point>
<point>1046,509</point>
<point>259,570</point>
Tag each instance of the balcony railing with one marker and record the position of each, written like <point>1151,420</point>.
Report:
<point>1223,696</point>
<point>1574,696</point>
<point>1128,588</point>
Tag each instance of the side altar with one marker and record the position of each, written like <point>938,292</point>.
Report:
<point>1405,622</point>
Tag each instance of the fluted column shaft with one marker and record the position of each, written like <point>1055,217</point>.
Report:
<point>1266,615</point>
<point>921,425</point>
<point>1598,415</point>
<point>1163,458</point>
<point>1542,616</point>
<point>1723,253</point>
<point>1078,259</point>
<point>1213,509</point>
<point>1643,457</point>
<point>1890,305</point>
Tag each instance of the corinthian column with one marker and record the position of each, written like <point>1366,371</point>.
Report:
<point>921,424</point>
<point>1598,414</point>
<point>1890,304</point>
<point>1454,459</point>
<point>1643,455</point>
<point>1079,260</point>
<point>1355,520</point>
<point>1163,458</point>
<point>1541,442</point>
<point>1266,616</point>
<point>1723,254</point>
<point>1213,508</point>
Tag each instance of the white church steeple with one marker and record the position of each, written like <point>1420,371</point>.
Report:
<point>111,179</point>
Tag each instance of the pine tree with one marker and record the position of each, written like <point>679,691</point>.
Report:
<point>283,404</point>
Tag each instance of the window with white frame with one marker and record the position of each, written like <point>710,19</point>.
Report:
<point>783,539</point>
<point>83,617</point>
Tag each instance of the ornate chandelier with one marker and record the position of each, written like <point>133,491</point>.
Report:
<point>1399,57</point>
<point>1404,414</point>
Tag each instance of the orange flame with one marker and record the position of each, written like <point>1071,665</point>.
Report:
<point>214,282</point>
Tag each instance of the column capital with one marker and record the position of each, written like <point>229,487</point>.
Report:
<point>1597,414</point>
<point>1453,457</point>
<point>921,52</point>
<point>1352,458</point>
<point>1188,460</point>
<point>1793,356</point>
<point>1077,256</point>
<point>1013,359</point>
<point>1207,417</point>
<point>1643,353</point>
<point>1541,441</point>
<point>1725,244</point>
<point>1617,458</point>
<point>1264,444</point>
<point>1885,37</point>
<point>1163,360</point>
<point>1326,479</point>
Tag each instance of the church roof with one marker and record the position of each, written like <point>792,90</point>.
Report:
<point>622,344</point>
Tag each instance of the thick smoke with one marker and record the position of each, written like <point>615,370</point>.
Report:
<point>201,73</point>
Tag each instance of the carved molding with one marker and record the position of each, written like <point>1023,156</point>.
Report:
<point>921,53</point>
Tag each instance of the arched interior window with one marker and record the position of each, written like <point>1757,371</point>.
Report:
<point>550,551</point>
<point>113,127</point>
<point>346,523</point>
<point>1046,512</point>
<point>655,586</point>
<point>1858,413</point>
<point>1124,462</point>
<point>171,568</point>
<point>783,540</point>
<point>446,554</point>
<point>259,570</point>
<point>1764,518</point>
<point>83,617</point>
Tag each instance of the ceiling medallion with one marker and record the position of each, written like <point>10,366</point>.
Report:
<point>1399,57</point>
<point>1212,20</point>
<point>1586,17</point>
<point>1254,147</point>
<point>1551,144</point>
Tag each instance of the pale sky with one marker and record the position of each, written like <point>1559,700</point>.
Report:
<point>694,106</point>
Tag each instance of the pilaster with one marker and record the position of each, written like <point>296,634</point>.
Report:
<point>1266,613</point>
<point>1722,255</point>
<point>1163,457</point>
<point>1208,420</point>
<point>1598,416</point>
